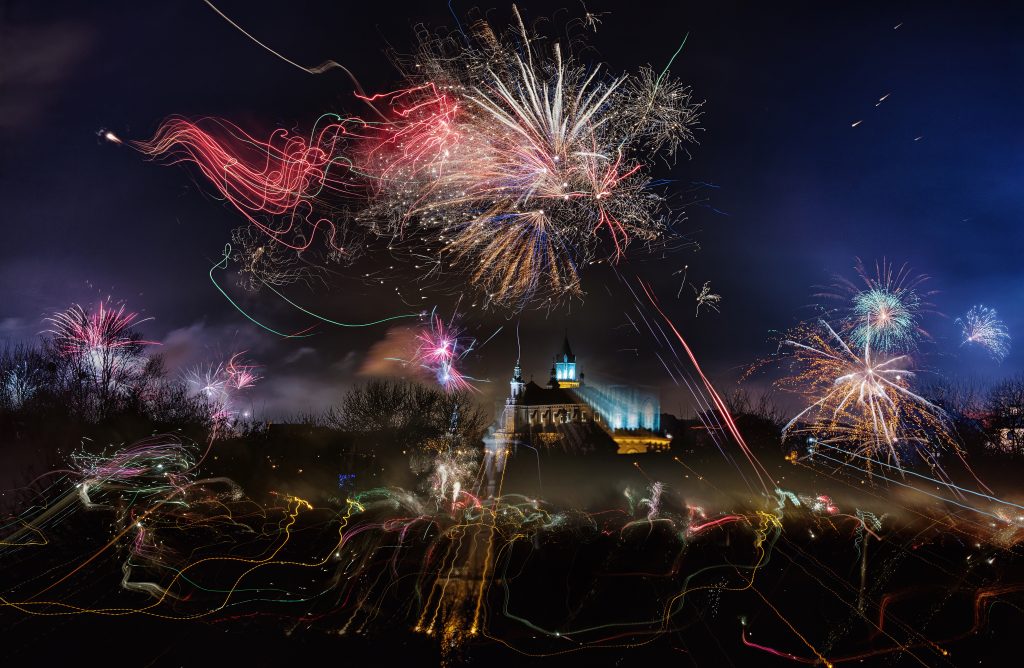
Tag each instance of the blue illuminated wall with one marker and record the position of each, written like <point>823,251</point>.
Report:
<point>565,370</point>
<point>623,407</point>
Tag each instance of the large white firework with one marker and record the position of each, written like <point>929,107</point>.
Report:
<point>859,400</point>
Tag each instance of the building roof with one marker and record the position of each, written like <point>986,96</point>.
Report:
<point>567,351</point>
<point>535,395</point>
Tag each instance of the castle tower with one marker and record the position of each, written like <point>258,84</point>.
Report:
<point>563,371</point>
<point>516,385</point>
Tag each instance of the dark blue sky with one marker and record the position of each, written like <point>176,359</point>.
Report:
<point>799,192</point>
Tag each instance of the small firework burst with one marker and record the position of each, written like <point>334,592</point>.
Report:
<point>240,373</point>
<point>885,320</point>
<point>440,349</point>
<point>981,326</point>
<point>263,261</point>
<point>707,298</point>
<point>78,331</point>
<point>219,384</point>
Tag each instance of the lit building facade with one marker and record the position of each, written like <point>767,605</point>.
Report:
<point>571,416</point>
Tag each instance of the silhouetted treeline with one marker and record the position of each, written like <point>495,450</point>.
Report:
<point>988,420</point>
<point>48,396</point>
<point>54,401</point>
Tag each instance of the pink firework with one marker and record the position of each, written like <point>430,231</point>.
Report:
<point>439,350</point>
<point>96,334</point>
<point>240,373</point>
<point>220,384</point>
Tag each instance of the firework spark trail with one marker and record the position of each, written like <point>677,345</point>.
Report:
<point>982,326</point>
<point>325,66</point>
<point>945,483</point>
<point>723,410</point>
<point>706,410</point>
<point>871,472</point>
<point>459,580</point>
<point>223,264</point>
<point>277,177</point>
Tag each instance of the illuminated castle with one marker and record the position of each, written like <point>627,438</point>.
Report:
<point>571,416</point>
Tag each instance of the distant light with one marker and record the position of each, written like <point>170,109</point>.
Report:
<point>110,137</point>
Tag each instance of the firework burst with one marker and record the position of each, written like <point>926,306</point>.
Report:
<point>861,401</point>
<point>981,326</point>
<point>883,312</point>
<point>440,349</point>
<point>885,319</point>
<point>518,165</point>
<point>78,331</point>
<point>220,384</point>
<point>498,160</point>
<point>262,262</point>
<point>102,340</point>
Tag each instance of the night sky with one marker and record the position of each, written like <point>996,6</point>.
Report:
<point>795,192</point>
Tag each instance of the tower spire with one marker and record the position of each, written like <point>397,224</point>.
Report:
<point>563,371</point>
<point>516,385</point>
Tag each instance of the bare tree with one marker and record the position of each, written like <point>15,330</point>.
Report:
<point>1005,409</point>
<point>963,400</point>
<point>22,374</point>
<point>739,402</point>
<point>759,421</point>
<point>402,415</point>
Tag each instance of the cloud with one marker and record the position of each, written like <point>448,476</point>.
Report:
<point>301,353</point>
<point>14,327</point>
<point>201,343</point>
<point>384,358</point>
<point>37,60</point>
<point>346,364</point>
